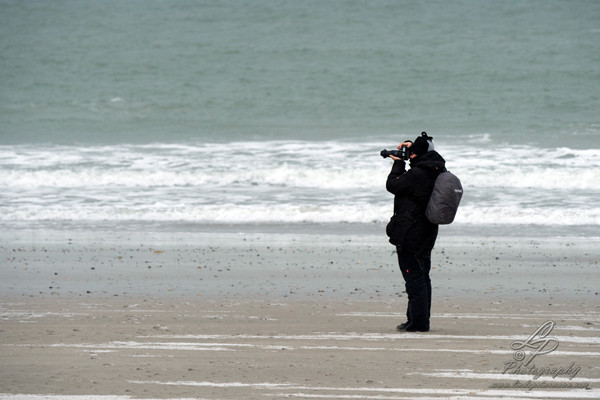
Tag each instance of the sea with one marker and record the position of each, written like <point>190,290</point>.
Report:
<point>271,114</point>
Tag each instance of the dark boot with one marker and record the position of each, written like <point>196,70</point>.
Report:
<point>402,326</point>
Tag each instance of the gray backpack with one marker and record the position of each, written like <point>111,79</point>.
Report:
<point>444,200</point>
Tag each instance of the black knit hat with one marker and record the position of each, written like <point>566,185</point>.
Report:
<point>422,144</point>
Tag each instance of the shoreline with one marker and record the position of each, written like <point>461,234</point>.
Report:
<point>376,229</point>
<point>281,265</point>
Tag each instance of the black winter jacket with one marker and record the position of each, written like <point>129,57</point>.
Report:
<point>409,229</point>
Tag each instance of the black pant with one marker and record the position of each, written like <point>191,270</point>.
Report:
<point>415,271</point>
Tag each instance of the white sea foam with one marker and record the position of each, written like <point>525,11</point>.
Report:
<point>285,182</point>
<point>230,213</point>
<point>379,336</point>
<point>233,347</point>
<point>347,392</point>
<point>502,376</point>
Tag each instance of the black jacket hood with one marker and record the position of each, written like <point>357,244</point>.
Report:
<point>431,160</point>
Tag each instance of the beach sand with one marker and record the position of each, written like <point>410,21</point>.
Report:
<point>248,316</point>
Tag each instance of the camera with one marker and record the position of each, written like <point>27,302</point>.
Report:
<point>403,153</point>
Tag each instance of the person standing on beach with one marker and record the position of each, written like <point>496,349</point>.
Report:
<point>410,230</point>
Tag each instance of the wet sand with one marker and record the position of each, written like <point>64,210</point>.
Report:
<point>235,316</point>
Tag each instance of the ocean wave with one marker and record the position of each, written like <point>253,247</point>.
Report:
<point>288,175</point>
<point>283,175</point>
<point>287,213</point>
<point>286,181</point>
